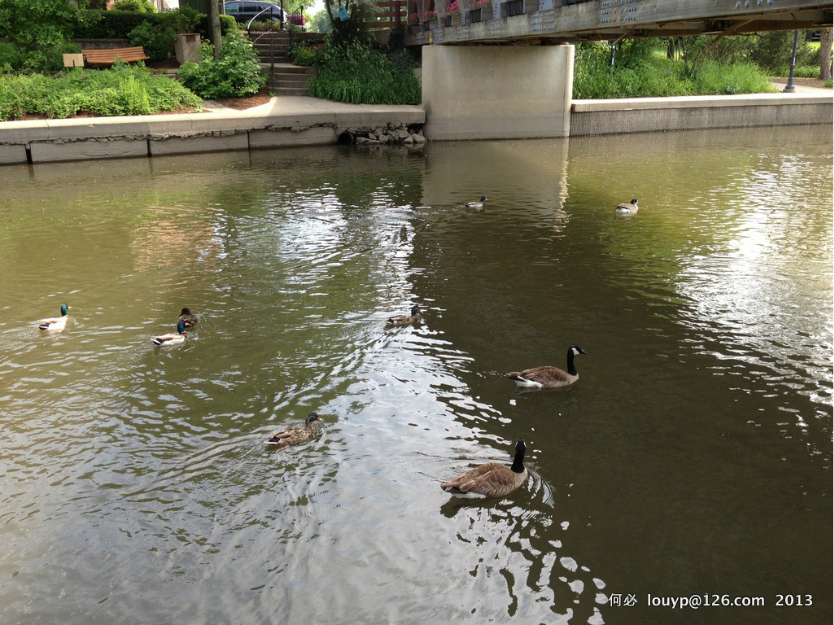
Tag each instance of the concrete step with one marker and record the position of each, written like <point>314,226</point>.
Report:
<point>284,91</point>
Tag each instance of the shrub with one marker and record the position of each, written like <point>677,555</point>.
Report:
<point>158,42</point>
<point>235,74</point>
<point>301,53</point>
<point>138,6</point>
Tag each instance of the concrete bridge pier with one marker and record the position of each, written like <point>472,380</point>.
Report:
<point>497,92</point>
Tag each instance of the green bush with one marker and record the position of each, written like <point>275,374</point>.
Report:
<point>158,42</point>
<point>122,90</point>
<point>355,74</point>
<point>235,74</point>
<point>139,6</point>
<point>301,53</point>
<point>119,24</point>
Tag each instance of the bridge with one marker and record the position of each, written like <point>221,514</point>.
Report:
<point>504,68</point>
<point>562,21</point>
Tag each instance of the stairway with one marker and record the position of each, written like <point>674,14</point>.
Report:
<point>287,79</point>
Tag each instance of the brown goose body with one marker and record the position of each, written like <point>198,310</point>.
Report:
<point>294,435</point>
<point>405,320</point>
<point>627,207</point>
<point>548,377</point>
<point>492,479</point>
<point>188,319</point>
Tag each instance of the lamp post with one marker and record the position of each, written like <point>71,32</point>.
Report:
<point>789,87</point>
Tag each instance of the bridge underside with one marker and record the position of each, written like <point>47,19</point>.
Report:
<point>551,21</point>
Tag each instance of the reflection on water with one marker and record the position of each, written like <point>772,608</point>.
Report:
<point>692,457</point>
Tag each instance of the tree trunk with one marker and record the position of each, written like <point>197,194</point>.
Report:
<point>214,19</point>
<point>825,54</point>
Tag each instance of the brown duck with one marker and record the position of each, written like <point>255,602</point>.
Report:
<point>548,377</point>
<point>492,479</point>
<point>294,435</point>
<point>188,319</point>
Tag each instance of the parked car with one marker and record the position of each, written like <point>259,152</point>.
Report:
<point>245,11</point>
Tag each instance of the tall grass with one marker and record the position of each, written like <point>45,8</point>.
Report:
<point>644,73</point>
<point>358,75</point>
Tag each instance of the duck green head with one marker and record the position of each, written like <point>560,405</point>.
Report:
<point>64,309</point>
<point>313,416</point>
<point>181,327</point>
<point>415,310</point>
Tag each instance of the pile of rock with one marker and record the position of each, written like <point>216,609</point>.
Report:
<point>394,134</point>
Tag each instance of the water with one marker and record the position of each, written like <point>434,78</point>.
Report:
<point>692,458</point>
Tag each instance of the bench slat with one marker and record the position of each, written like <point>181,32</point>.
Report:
<point>108,57</point>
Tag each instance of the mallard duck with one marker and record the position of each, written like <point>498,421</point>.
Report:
<point>476,205</point>
<point>405,320</point>
<point>172,339</point>
<point>549,377</point>
<point>294,435</point>
<point>628,209</point>
<point>56,324</point>
<point>492,479</point>
<point>189,319</point>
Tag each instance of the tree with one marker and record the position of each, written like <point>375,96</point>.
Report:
<point>355,27</point>
<point>825,53</point>
<point>216,34</point>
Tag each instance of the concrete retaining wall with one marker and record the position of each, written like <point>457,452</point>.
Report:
<point>602,117</point>
<point>284,122</point>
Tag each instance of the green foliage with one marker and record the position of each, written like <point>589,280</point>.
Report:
<point>38,30</point>
<point>236,74</point>
<point>122,90</point>
<point>355,28</point>
<point>157,42</point>
<point>138,6</point>
<point>643,74</point>
<point>319,23</point>
<point>356,74</point>
<point>771,51</point>
<point>119,24</point>
<point>304,53</point>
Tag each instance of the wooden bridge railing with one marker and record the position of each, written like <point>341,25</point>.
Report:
<point>392,14</point>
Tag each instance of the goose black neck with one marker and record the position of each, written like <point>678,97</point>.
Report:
<point>518,461</point>
<point>571,367</point>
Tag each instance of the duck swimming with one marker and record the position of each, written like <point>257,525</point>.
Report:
<point>55,324</point>
<point>405,320</point>
<point>477,205</point>
<point>166,340</point>
<point>189,319</point>
<point>294,435</point>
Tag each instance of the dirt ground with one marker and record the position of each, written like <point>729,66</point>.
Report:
<point>241,104</point>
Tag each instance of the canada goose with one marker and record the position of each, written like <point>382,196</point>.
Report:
<point>294,435</point>
<point>172,339</point>
<point>629,208</point>
<point>405,320</point>
<point>56,324</point>
<point>549,377</point>
<point>492,479</point>
<point>476,205</point>
<point>189,319</point>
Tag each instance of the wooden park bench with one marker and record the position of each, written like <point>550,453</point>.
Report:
<point>108,57</point>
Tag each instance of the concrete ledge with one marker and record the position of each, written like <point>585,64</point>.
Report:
<point>88,150</point>
<point>323,135</point>
<point>701,101</point>
<point>601,117</point>
<point>214,142</point>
